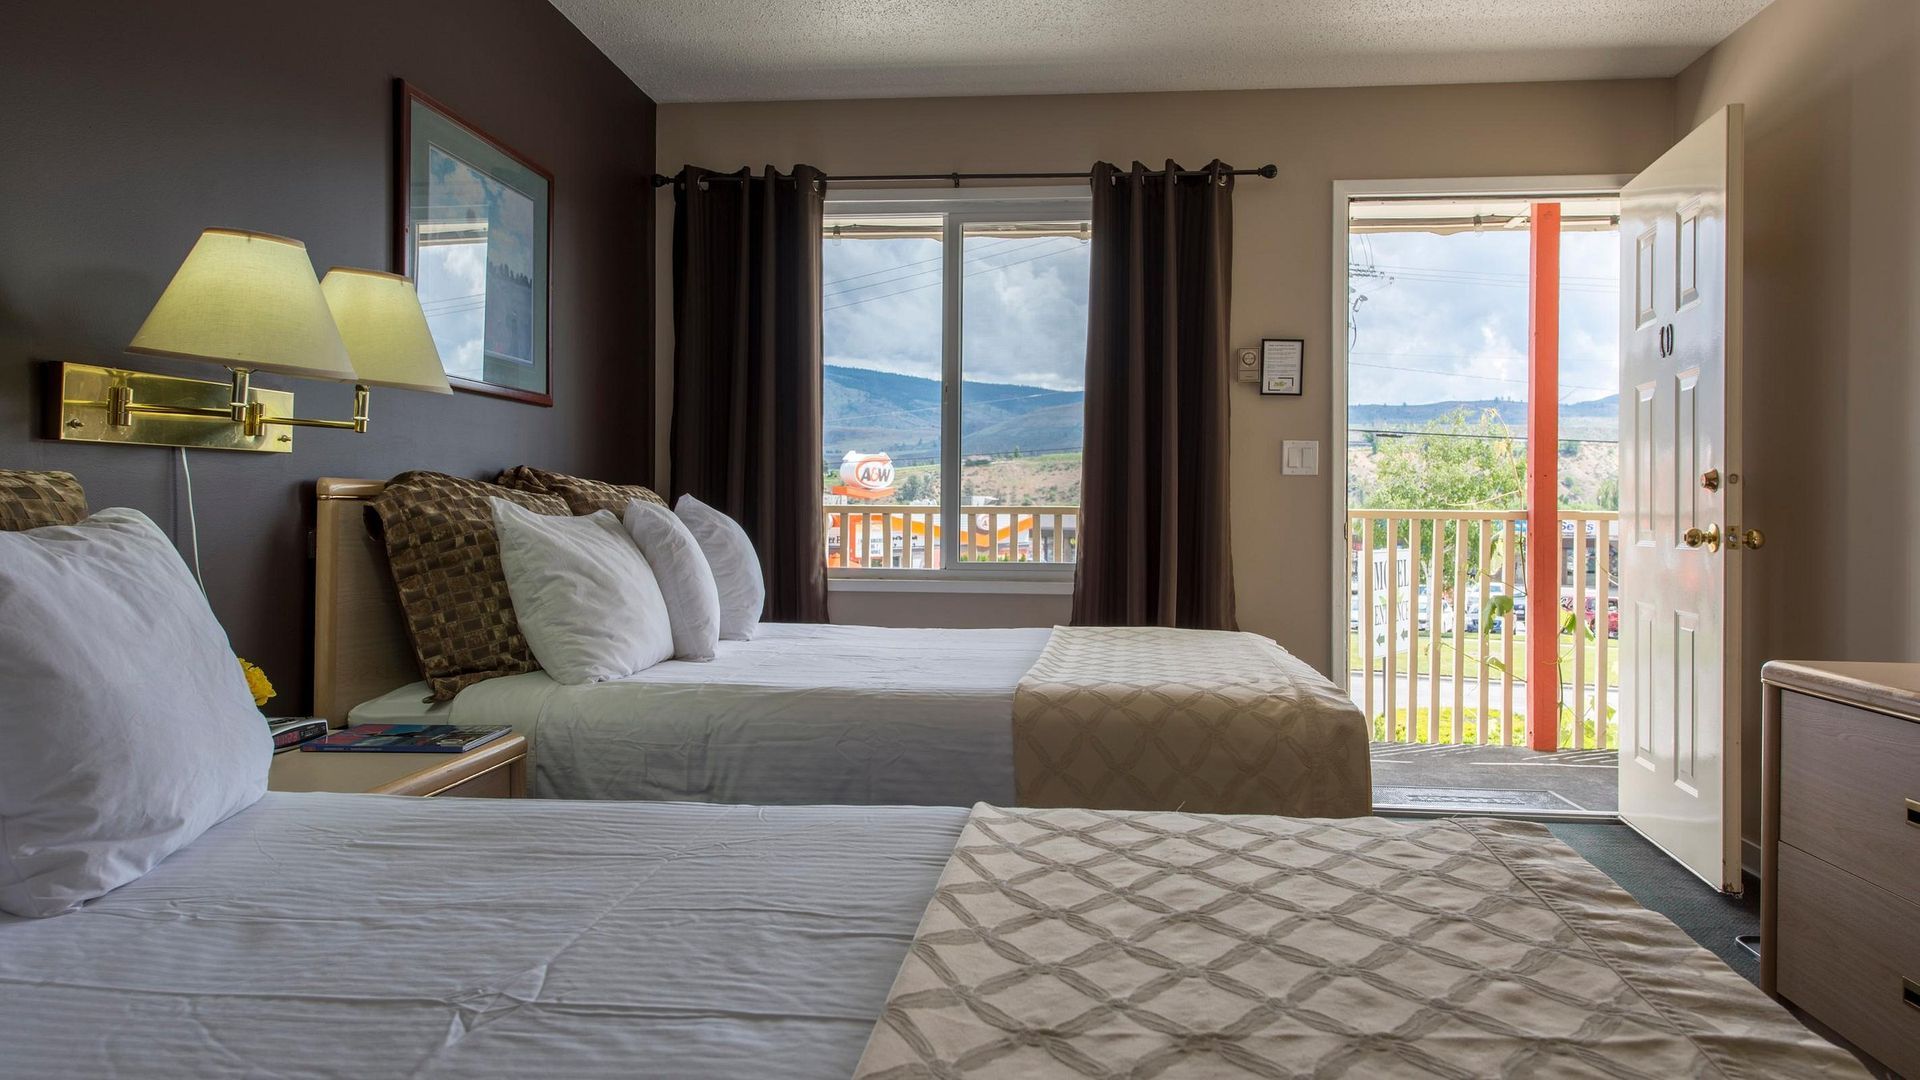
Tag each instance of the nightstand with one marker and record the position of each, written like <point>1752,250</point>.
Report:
<point>497,770</point>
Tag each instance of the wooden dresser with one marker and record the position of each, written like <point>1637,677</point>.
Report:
<point>1840,858</point>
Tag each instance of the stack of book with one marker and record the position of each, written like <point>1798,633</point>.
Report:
<point>408,738</point>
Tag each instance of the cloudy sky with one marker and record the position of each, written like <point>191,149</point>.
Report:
<point>1025,308</point>
<point>1444,318</point>
<point>1438,318</point>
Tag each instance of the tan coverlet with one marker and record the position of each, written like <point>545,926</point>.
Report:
<point>1149,718</point>
<point>1073,943</point>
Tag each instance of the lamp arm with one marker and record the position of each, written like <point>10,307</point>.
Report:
<point>242,409</point>
<point>256,418</point>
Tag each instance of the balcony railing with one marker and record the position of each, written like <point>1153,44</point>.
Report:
<point>874,536</point>
<point>1440,625</point>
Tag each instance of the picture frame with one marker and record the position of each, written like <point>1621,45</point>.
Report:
<point>1283,367</point>
<point>473,230</point>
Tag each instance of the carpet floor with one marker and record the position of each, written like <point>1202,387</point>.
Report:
<point>1709,916</point>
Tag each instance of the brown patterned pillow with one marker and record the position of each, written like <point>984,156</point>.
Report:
<point>583,496</point>
<point>446,565</point>
<point>29,500</point>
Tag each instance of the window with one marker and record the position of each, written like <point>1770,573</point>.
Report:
<point>954,330</point>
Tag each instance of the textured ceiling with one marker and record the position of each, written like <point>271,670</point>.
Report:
<point>758,50</point>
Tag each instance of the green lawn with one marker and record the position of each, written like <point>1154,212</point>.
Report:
<point>1470,646</point>
<point>1448,736</point>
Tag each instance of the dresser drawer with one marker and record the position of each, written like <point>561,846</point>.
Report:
<point>1849,953</point>
<point>1846,776</point>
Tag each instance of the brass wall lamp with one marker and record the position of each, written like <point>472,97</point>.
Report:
<point>250,302</point>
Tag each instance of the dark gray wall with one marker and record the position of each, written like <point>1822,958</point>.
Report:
<point>127,126</point>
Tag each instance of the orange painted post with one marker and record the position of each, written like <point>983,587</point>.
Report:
<point>1543,482</point>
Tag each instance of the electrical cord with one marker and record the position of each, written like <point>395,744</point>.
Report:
<point>193,523</point>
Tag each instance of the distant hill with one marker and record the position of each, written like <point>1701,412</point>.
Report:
<point>899,415</point>
<point>881,412</point>
<point>1597,419</point>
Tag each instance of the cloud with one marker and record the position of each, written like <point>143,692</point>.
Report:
<point>1439,317</point>
<point>452,280</point>
<point>1024,308</point>
<point>1443,318</point>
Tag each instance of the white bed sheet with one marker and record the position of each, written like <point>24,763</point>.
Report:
<point>319,935</point>
<point>800,715</point>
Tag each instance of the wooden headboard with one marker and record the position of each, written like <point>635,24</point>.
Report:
<point>360,646</point>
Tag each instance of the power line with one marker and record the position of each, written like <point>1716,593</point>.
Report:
<point>1589,286</point>
<point>1500,275</point>
<point>1465,375</point>
<point>1470,435</point>
<point>1073,245</point>
<point>883,282</point>
<point>902,266</point>
<point>1076,245</point>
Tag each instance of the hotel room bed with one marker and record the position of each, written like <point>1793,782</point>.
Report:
<point>371,936</point>
<point>1115,717</point>
<point>800,715</point>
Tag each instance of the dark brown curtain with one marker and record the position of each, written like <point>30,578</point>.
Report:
<point>746,369</point>
<point>1154,543</point>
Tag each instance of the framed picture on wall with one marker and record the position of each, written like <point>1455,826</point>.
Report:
<point>474,230</point>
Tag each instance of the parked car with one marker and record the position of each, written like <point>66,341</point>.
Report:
<point>1495,590</point>
<point>1613,616</point>
<point>1589,617</point>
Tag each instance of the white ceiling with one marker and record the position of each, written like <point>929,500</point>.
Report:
<point>760,50</point>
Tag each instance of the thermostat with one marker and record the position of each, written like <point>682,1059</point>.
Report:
<point>1247,365</point>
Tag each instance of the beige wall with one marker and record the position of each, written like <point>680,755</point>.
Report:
<point>1832,326</point>
<point>967,610</point>
<point>1282,526</point>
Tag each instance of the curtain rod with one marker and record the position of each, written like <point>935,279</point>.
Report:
<point>955,178</point>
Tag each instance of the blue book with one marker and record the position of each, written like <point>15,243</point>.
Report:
<point>407,738</point>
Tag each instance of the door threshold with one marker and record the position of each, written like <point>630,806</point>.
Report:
<point>1589,816</point>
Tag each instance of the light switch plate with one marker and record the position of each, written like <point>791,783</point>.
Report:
<point>1300,457</point>
<point>1247,365</point>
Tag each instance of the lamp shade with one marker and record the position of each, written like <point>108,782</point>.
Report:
<point>381,321</point>
<point>247,300</point>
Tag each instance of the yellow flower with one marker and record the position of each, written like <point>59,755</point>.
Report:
<point>256,681</point>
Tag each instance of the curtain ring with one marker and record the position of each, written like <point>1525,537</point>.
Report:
<point>701,183</point>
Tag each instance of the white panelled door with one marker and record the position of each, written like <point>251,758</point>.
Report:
<point>1681,541</point>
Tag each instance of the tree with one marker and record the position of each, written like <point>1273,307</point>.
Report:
<point>1609,497</point>
<point>1460,462</point>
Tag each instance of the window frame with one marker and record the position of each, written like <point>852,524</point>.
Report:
<point>958,208</point>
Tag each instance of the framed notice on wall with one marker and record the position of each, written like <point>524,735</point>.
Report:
<point>1282,361</point>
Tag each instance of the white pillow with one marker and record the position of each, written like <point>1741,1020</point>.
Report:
<point>586,601</point>
<point>693,599</point>
<point>126,727</point>
<point>736,569</point>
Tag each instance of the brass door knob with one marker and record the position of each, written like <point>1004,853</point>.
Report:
<point>1753,538</point>
<point>1708,538</point>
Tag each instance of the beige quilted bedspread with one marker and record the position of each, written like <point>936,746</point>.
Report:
<point>1073,943</point>
<point>1148,718</point>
